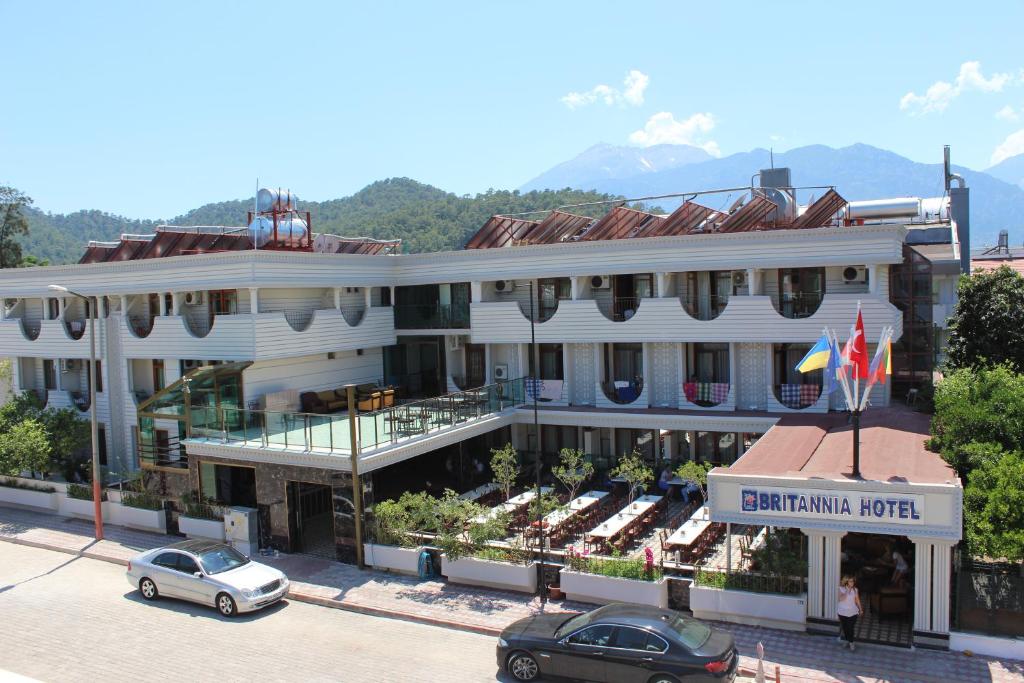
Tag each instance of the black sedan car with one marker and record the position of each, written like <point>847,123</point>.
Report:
<point>618,644</point>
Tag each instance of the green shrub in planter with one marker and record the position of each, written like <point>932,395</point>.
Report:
<point>144,500</point>
<point>82,492</point>
<point>197,508</point>
<point>15,484</point>
<point>618,567</point>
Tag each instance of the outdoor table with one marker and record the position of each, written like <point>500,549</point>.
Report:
<point>480,491</point>
<point>576,505</point>
<point>687,535</point>
<point>513,504</point>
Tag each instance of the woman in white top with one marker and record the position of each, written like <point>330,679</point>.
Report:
<point>849,609</point>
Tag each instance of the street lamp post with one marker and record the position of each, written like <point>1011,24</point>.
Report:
<point>97,492</point>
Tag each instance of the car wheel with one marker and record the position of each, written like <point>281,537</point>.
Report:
<point>226,605</point>
<point>523,667</point>
<point>663,679</point>
<point>148,589</point>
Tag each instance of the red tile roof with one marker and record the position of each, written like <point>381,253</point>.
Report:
<point>892,448</point>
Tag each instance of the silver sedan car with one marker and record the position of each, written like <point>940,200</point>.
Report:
<point>209,573</point>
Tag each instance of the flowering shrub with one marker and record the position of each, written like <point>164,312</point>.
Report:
<point>619,567</point>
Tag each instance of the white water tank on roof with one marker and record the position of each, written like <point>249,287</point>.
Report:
<point>898,207</point>
<point>268,199</point>
<point>261,230</point>
<point>290,229</point>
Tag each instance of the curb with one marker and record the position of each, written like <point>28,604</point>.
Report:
<point>298,596</point>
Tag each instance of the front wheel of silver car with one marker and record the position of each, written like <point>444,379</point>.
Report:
<point>523,667</point>
<point>148,589</point>
<point>226,605</point>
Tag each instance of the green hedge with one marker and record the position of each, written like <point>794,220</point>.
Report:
<point>144,500</point>
<point>15,484</point>
<point>754,583</point>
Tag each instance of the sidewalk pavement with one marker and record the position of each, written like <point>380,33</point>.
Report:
<point>800,657</point>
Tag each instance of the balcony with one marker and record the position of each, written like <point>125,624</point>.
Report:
<point>623,392</point>
<point>619,309</point>
<point>399,431</point>
<point>742,319</point>
<point>244,336</point>
<point>43,339</point>
<point>797,396</point>
<point>798,305</point>
<point>707,394</point>
<point>705,308</point>
<point>432,317</point>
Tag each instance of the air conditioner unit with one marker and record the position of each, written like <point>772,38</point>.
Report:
<point>855,274</point>
<point>504,285</point>
<point>739,278</point>
<point>68,365</point>
<point>600,282</point>
<point>193,298</point>
<point>455,342</point>
<point>500,372</point>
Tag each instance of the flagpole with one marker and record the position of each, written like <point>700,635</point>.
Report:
<point>855,413</point>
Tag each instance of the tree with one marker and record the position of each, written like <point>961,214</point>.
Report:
<point>987,325</point>
<point>31,261</point>
<point>505,466</point>
<point>13,224</point>
<point>70,438</point>
<point>980,406</point>
<point>696,473</point>
<point>634,471</point>
<point>994,508</point>
<point>24,447</point>
<point>573,470</point>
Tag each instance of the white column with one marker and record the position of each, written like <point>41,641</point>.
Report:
<point>175,303</point>
<point>588,441</point>
<point>691,446</point>
<point>672,447</point>
<point>815,558</point>
<point>487,364</point>
<point>752,283</point>
<point>922,584</point>
<point>62,307</point>
<point>663,284</point>
<point>873,279</point>
<point>941,569</point>
<point>574,287</point>
<point>254,300</point>
<point>124,305</point>
<point>337,299</point>
<point>3,309</point>
<point>647,371</point>
<point>830,579</point>
<point>161,296</point>
<point>657,445</point>
<point>367,296</point>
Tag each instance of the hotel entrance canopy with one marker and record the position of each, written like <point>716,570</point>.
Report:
<point>799,474</point>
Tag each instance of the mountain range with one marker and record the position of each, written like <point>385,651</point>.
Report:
<point>427,218</point>
<point>858,172</point>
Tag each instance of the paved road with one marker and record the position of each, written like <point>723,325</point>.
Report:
<point>64,618</point>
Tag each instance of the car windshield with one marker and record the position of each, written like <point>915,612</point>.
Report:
<point>691,632</point>
<point>574,623</point>
<point>222,559</point>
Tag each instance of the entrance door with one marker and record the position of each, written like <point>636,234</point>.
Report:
<point>311,519</point>
<point>475,371</point>
<point>882,567</point>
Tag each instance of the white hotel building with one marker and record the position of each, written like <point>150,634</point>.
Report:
<point>674,335</point>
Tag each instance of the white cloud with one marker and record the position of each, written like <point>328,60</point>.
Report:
<point>663,128</point>
<point>938,96</point>
<point>1010,147</point>
<point>632,92</point>
<point>1007,113</point>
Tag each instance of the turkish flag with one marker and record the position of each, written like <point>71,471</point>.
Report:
<point>859,350</point>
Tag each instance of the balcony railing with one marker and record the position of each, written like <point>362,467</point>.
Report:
<point>75,328</point>
<point>375,429</point>
<point>708,308</point>
<point>706,394</point>
<point>621,308</point>
<point>164,454</point>
<point>141,326</point>
<point>431,317</point>
<point>623,391</point>
<point>799,304</point>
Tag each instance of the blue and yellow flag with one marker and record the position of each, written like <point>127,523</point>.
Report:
<point>818,357</point>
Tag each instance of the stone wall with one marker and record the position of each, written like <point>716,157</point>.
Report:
<point>272,501</point>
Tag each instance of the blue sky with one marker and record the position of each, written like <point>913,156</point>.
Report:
<point>149,109</point>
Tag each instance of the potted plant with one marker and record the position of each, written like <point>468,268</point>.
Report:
<point>27,492</point>
<point>78,501</point>
<point>636,474</point>
<point>573,469</point>
<point>505,466</point>
<point>395,530</point>
<point>695,473</point>
<point>200,518</point>
<point>614,579</point>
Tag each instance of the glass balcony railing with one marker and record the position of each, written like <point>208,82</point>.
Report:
<point>375,429</point>
<point>431,317</point>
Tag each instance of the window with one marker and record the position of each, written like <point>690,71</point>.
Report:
<point>158,374</point>
<point>187,565</point>
<point>224,302</point>
<point>99,377</point>
<point>786,358</point>
<point>595,636</point>
<point>49,374</point>
<point>709,362</point>
<point>54,308</point>
<point>168,560</point>
<point>101,443</point>
<point>800,291</point>
<point>716,447</point>
<point>629,638</point>
<point>385,296</point>
<point>551,366</point>
<point>624,362</point>
<point>549,292</point>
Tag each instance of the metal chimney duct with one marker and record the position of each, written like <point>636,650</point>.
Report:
<point>959,211</point>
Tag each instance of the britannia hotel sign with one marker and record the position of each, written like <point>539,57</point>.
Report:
<point>897,508</point>
<point>818,504</point>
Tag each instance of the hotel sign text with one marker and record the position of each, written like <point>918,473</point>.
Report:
<point>823,504</point>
